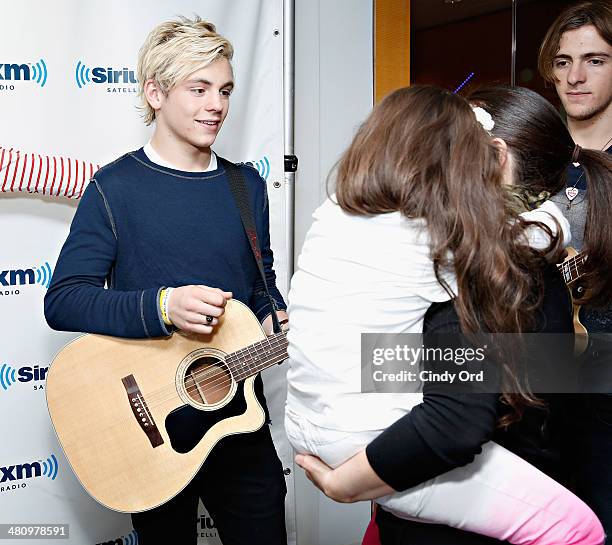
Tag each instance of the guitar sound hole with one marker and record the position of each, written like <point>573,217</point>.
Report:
<point>207,380</point>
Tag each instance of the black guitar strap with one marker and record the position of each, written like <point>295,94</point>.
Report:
<point>240,193</point>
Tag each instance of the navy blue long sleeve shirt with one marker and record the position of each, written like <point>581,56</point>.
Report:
<point>141,227</point>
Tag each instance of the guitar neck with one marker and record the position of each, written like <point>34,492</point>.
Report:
<point>573,268</point>
<point>252,359</point>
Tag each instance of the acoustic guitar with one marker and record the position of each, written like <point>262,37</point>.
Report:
<point>137,418</point>
<point>572,269</point>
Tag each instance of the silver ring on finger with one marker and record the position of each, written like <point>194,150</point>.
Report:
<point>209,319</point>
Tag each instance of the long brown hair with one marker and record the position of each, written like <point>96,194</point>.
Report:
<point>423,153</point>
<point>543,149</point>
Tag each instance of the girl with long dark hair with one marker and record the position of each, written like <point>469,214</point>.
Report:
<point>427,209</point>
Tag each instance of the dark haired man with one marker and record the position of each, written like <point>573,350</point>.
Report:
<point>576,56</point>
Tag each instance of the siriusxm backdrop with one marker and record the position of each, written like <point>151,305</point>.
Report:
<point>68,104</point>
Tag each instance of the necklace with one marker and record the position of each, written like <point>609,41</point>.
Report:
<point>572,192</point>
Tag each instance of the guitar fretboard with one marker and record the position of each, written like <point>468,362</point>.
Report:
<point>573,268</point>
<point>256,357</point>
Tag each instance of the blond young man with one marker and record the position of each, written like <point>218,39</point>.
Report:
<point>576,57</point>
<point>160,227</point>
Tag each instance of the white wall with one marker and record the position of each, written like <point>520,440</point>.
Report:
<point>333,94</point>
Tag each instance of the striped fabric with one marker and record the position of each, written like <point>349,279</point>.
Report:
<point>49,175</point>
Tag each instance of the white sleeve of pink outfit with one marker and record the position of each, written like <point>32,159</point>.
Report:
<point>550,215</point>
<point>49,175</point>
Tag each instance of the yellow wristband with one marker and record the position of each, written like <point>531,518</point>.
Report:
<point>163,305</point>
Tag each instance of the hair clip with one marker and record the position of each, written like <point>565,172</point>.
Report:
<point>484,118</point>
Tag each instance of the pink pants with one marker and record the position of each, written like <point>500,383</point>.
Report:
<point>498,495</point>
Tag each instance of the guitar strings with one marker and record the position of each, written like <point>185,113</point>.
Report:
<point>161,401</point>
<point>162,395</point>
<point>572,265</point>
<point>159,395</point>
<point>218,383</point>
<point>222,382</point>
<point>230,362</point>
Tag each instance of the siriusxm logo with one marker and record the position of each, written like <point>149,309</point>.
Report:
<point>85,75</point>
<point>19,277</point>
<point>10,375</point>
<point>130,539</point>
<point>36,72</point>
<point>47,468</point>
<point>262,166</point>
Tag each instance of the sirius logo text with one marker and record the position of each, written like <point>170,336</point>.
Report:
<point>101,74</point>
<point>10,375</point>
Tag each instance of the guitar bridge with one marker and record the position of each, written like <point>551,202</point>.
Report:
<point>141,411</point>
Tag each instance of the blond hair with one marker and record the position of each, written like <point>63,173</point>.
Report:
<point>173,51</point>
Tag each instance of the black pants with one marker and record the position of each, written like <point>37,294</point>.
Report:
<point>243,488</point>
<point>593,458</point>
<point>396,531</point>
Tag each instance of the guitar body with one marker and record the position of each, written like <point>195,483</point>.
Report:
<point>137,418</point>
